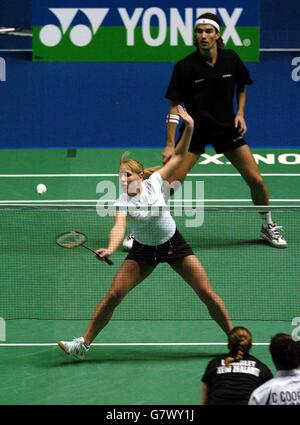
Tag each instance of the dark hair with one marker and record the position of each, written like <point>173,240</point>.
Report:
<point>285,352</point>
<point>213,17</point>
<point>239,344</point>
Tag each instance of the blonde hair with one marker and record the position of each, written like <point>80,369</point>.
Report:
<point>239,344</point>
<point>136,166</point>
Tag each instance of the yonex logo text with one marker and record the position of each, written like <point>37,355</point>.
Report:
<point>181,27</point>
<point>2,69</point>
<point>269,158</point>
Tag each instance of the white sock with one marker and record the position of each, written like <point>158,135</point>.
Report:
<point>266,218</point>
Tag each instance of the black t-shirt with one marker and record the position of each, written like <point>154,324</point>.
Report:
<point>233,385</point>
<point>208,92</point>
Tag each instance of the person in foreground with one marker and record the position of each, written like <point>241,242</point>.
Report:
<point>284,388</point>
<point>230,378</point>
<point>207,81</point>
<point>156,240</point>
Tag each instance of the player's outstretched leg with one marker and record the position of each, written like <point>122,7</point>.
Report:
<point>190,269</point>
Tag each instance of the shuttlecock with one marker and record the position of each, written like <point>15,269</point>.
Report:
<point>41,188</point>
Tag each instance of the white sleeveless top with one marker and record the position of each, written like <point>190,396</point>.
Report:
<point>149,226</point>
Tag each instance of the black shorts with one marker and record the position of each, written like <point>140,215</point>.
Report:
<point>168,252</point>
<point>224,142</point>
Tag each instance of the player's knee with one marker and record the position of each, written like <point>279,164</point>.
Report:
<point>206,297</point>
<point>114,297</point>
<point>256,182</point>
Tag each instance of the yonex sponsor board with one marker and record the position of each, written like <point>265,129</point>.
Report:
<point>94,30</point>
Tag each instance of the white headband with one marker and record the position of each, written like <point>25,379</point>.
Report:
<point>208,21</point>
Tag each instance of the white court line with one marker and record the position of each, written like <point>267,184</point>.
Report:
<point>279,49</point>
<point>129,344</point>
<point>59,175</point>
<point>238,175</point>
<point>116,175</point>
<point>99,201</point>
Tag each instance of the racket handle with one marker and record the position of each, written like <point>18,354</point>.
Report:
<point>108,261</point>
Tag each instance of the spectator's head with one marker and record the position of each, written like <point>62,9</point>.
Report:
<point>285,352</point>
<point>239,344</point>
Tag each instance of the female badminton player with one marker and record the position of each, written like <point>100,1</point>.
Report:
<point>156,240</point>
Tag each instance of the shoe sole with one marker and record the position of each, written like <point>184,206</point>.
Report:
<point>62,346</point>
<point>263,236</point>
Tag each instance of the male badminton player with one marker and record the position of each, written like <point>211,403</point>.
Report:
<point>206,81</point>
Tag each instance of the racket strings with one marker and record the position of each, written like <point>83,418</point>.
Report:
<point>71,239</point>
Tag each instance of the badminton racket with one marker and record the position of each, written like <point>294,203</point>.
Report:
<point>74,239</point>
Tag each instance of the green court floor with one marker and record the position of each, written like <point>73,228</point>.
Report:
<point>75,174</point>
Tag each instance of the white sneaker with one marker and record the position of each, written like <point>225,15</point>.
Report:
<point>272,234</point>
<point>128,242</point>
<point>76,347</point>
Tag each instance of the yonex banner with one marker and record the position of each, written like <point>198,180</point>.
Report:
<point>137,31</point>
